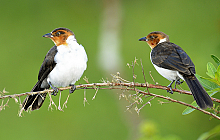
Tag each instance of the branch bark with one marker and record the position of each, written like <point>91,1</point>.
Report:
<point>124,86</point>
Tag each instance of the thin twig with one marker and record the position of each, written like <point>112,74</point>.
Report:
<point>51,103</point>
<point>152,78</point>
<point>59,106</point>
<point>133,74</point>
<point>144,76</point>
<point>145,105</point>
<point>64,104</point>
<point>84,99</point>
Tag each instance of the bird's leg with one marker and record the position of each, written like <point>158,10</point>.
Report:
<point>178,82</point>
<point>55,89</point>
<point>170,86</point>
<point>73,88</point>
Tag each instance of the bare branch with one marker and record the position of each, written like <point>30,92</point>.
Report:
<point>121,86</point>
<point>109,85</point>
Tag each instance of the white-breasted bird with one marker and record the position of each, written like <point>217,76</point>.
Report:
<point>172,62</point>
<point>63,65</point>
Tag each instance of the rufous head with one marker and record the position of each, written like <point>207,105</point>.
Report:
<point>154,38</point>
<point>59,36</point>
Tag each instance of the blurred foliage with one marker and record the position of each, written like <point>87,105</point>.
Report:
<point>193,25</point>
<point>210,134</point>
<point>149,131</point>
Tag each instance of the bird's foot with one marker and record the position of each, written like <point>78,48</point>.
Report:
<point>55,89</point>
<point>73,88</point>
<point>178,82</point>
<point>170,90</point>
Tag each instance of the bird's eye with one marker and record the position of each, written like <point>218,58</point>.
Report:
<point>151,37</point>
<point>58,33</point>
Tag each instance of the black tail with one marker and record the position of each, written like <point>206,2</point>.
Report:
<point>200,95</point>
<point>34,101</point>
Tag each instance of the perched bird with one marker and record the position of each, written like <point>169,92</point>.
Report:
<point>172,62</point>
<point>63,65</point>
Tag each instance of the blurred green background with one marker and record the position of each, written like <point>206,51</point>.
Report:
<point>104,26</point>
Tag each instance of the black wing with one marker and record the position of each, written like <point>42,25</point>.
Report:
<point>36,100</point>
<point>170,56</point>
<point>46,67</point>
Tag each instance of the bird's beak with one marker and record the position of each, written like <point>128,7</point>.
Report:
<point>49,35</point>
<point>143,39</point>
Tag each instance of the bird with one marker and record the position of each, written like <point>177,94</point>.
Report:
<point>173,63</point>
<point>63,65</point>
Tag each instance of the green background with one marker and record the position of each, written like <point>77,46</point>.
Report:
<point>193,25</point>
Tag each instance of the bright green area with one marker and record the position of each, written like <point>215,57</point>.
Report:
<point>193,25</point>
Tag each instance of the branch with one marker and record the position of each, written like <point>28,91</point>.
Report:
<point>112,85</point>
<point>123,86</point>
<point>131,85</point>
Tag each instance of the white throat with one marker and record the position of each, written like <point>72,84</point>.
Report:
<point>163,40</point>
<point>70,39</point>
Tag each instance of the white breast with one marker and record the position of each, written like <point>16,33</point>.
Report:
<point>168,74</point>
<point>71,63</point>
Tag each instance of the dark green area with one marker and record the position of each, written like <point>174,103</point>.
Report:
<point>193,25</point>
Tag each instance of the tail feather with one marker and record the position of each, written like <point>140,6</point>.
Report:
<point>34,101</point>
<point>200,95</point>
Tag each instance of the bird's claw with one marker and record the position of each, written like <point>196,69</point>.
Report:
<point>178,82</point>
<point>170,89</point>
<point>73,88</point>
<point>55,91</point>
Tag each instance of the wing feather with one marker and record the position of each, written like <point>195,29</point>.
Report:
<point>170,56</point>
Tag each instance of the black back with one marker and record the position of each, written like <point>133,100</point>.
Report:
<point>170,56</point>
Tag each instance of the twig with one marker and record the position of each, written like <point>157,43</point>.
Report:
<point>133,74</point>
<point>145,105</point>
<point>59,107</point>
<point>152,78</point>
<point>64,104</point>
<point>84,99</point>
<point>144,75</point>
<point>51,103</point>
<point>96,91</point>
